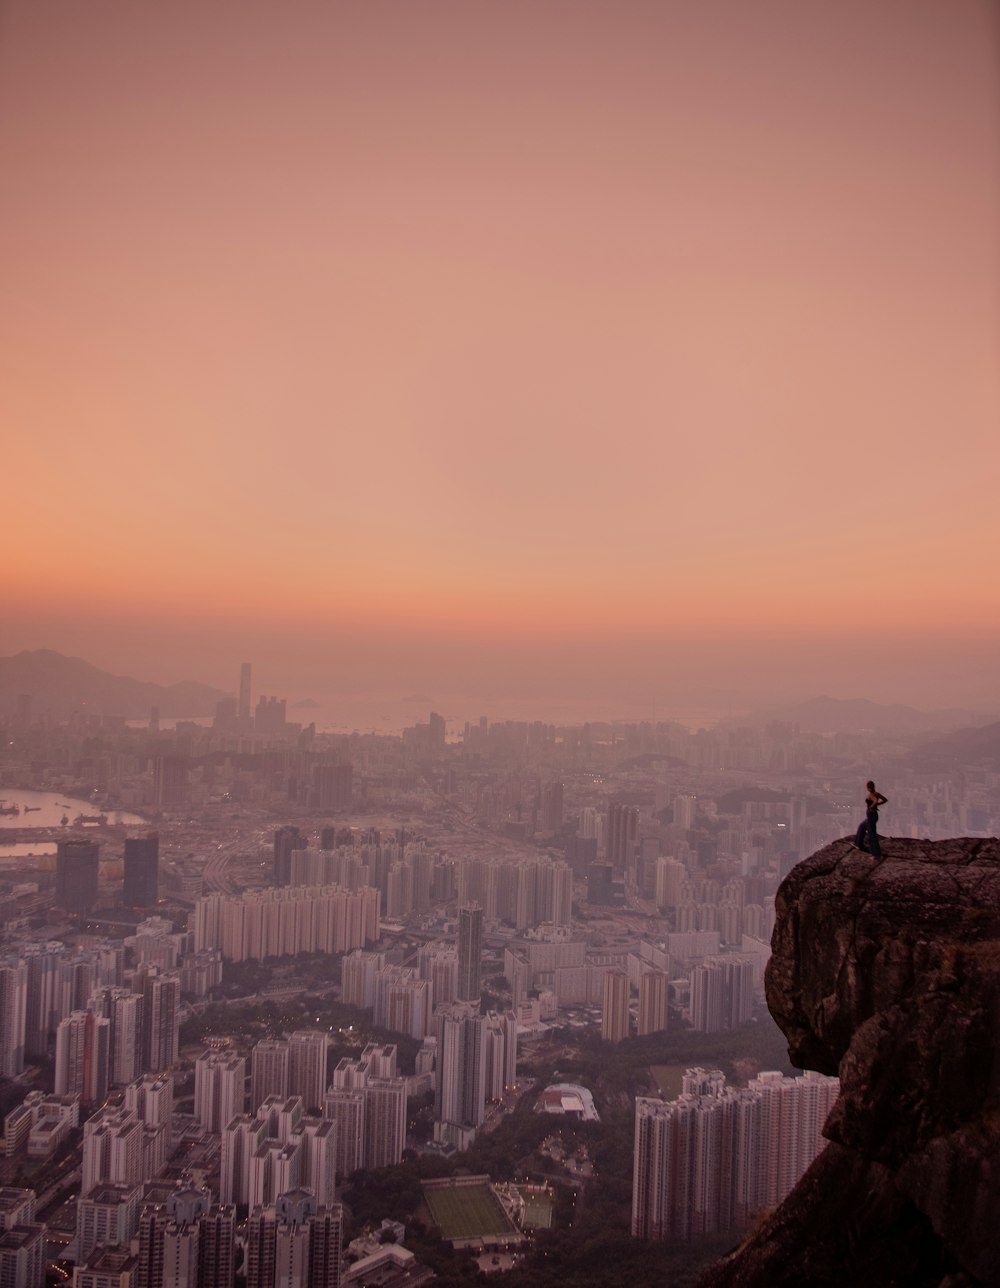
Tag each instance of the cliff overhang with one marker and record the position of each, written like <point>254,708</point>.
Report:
<point>887,972</point>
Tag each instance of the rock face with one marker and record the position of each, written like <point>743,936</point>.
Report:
<point>888,973</point>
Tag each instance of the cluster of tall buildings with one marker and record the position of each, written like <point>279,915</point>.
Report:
<point>108,1023</point>
<point>280,921</point>
<point>472,1057</point>
<point>706,1162</point>
<point>525,892</point>
<point>304,1128</point>
<point>78,869</point>
<point>475,1061</point>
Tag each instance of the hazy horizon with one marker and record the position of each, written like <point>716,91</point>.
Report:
<point>554,353</point>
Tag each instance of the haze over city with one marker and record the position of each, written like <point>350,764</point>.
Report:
<point>627,355</point>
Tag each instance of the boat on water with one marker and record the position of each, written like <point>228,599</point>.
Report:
<point>64,820</point>
<point>9,811</point>
<point>32,809</point>
<point>82,820</point>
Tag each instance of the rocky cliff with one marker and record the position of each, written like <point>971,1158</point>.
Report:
<point>888,973</point>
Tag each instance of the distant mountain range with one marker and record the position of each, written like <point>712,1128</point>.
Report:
<point>969,748</point>
<point>850,715</point>
<point>61,685</point>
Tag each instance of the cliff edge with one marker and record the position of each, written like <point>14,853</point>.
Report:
<point>888,973</point>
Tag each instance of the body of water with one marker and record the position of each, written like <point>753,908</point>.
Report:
<point>47,809</point>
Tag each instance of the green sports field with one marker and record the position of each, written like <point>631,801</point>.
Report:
<point>466,1212</point>
<point>537,1211</point>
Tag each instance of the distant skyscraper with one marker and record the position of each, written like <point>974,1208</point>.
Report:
<point>170,774</point>
<point>470,952</point>
<point>721,993</point>
<point>614,1011</point>
<point>332,788</point>
<point>652,1002</point>
<point>622,829</point>
<point>552,807</point>
<point>141,883</point>
<point>76,875</point>
<point>243,712</point>
<point>286,841</point>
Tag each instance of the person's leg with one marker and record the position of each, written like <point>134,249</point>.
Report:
<point>859,839</point>
<point>873,842</point>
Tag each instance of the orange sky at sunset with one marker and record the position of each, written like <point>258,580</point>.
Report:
<point>545,348</point>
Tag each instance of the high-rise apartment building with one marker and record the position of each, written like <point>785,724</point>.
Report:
<point>500,1054</point>
<point>286,841</point>
<point>460,1094</point>
<point>345,1107</point>
<point>470,952</point>
<point>219,1089</point>
<point>170,781</point>
<point>294,1243</point>
<point>141,875</point>
<point>77,864</point>
<point>83,1057</point>
<point>307,1061</point>
<point>614,1006</point>
<point>13,1014</point>
<point>706,1162</point>
<point>244,707</point>
<point>721,993</point>
<point>186,1242</point>
<point>161,999</point>
<point>107,1217</point>
<point>652,1002</point>
<point>112,1150</point>
<point>268,1071</point>
<point>22,1256</point>
<point>620,836</point>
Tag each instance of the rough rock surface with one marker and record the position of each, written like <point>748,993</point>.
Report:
<point>888,973</point>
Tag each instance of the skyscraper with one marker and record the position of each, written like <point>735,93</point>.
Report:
<point>652,1002</point>
<point>307,1053</point>
<point>170,781</point>
<point>707,1161</point>
<point>268,1071</point>
<point>622,830</point>
<point>141,883</point>
<point>460,1095</point>
<point>76,875</point>
<point>219,1088</point>
<point>470,952</point>
<point>286,841</point>
<point>13,1001</point>
<point>243,711</point>
<point>83,1056</point>
<point>161,996</point>
<point>614,1009</point>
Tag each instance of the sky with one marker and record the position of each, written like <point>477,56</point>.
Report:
<point>623,351</point>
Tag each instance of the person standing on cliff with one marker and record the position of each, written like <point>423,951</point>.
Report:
<point>869,829</point>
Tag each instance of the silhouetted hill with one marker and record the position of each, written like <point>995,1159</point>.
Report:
<point>848,715</point>
<point>60,685</point>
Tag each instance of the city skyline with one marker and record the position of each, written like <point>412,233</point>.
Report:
<point>566,351</point>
